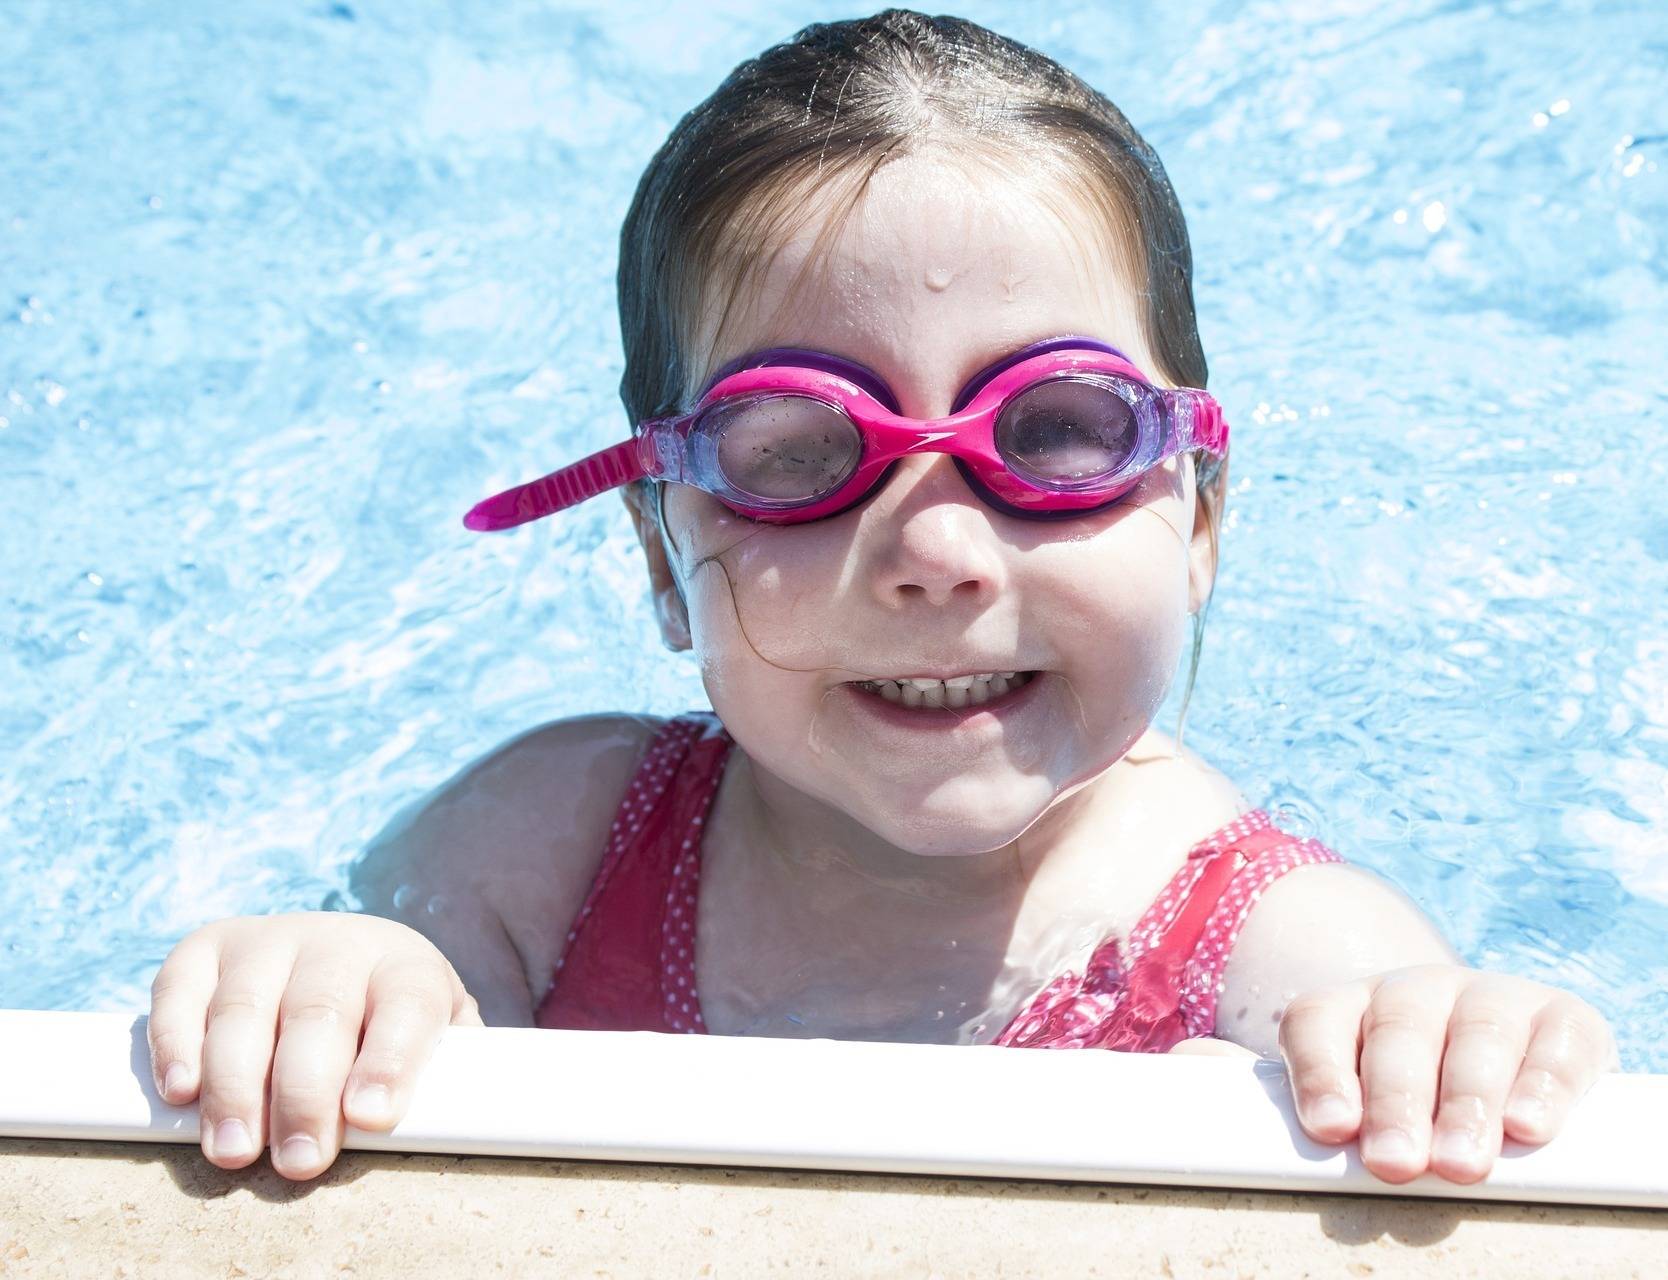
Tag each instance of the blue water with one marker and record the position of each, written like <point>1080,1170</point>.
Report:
<point>285,287</point>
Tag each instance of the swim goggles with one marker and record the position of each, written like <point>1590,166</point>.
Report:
<point>1058,429</point>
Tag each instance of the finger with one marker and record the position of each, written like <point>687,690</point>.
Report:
<point>318,1031</point>
<point>180,995</point>
<point>1402,1034</point>
<point>465,1012</point>
<point>411,999</point>
<point>242,1023</point>
<point>1487,1034</point>
<point>1320,1040</point>
<point>1570,1046</point>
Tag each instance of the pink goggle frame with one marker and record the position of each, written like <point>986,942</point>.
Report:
<point>684,448</point>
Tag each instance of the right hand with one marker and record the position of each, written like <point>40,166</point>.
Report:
<point>308,981</point>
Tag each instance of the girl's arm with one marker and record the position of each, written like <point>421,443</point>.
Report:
<point>493,866</point>
<point>1337,972</point>
<point>1316,926</point>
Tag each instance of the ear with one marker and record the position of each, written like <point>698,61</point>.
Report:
<point>1201,560</point>
<point>668,603</point>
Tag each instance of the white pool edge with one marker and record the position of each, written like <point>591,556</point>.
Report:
<point>844,1105</point>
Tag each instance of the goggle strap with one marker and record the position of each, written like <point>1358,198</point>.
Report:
<point>1208,431</point>
<point>615,466</point>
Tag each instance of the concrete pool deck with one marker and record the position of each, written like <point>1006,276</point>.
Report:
<point>141,1209</point>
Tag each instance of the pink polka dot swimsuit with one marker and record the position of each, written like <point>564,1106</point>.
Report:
<point>629,960</point>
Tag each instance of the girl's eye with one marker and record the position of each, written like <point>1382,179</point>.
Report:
<point>1068,431</point>
<point>784,448</point>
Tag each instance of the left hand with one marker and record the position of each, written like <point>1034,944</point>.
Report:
<point>1485,1054</point>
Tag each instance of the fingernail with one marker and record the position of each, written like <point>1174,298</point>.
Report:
<point>371,1101</point>
<point>231,1140</point>
<point>299,1152</point>
<point>1329,1112</point>
<point>179,1075</point>
<point>1529,1113</point>
<point>1457,1145</point>
<point>1389,1145</point>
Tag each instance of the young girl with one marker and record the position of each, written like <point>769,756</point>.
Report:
<point>926,478</point>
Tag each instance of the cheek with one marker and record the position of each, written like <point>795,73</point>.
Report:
<point>1118,611</point>
<point>758,595</point>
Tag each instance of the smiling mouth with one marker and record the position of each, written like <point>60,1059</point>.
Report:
<point>956,693</point>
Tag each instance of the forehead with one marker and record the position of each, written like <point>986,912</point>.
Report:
<point>940,269</point>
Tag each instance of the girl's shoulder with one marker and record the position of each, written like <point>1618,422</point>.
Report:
<point>567,778</point>
<point>524,827</point>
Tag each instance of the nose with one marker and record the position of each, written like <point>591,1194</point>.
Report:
<point>934,541</point>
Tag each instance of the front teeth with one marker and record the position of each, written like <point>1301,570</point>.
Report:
<point>959,691</point>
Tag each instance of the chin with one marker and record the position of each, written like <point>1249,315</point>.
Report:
<point>961,816</point>
<point>957,835</point>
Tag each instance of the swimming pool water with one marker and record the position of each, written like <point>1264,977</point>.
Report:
<point>285,288</point>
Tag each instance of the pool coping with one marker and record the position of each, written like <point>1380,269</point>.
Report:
<point>941,1110</point>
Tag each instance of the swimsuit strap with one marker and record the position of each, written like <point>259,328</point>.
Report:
<point>1262,853</point>
<point>1165,989</point>
<point>610,974</point>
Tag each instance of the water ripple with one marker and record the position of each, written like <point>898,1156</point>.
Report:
<point>288,288</point>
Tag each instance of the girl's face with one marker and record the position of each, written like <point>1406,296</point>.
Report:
<point>935,276</point>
